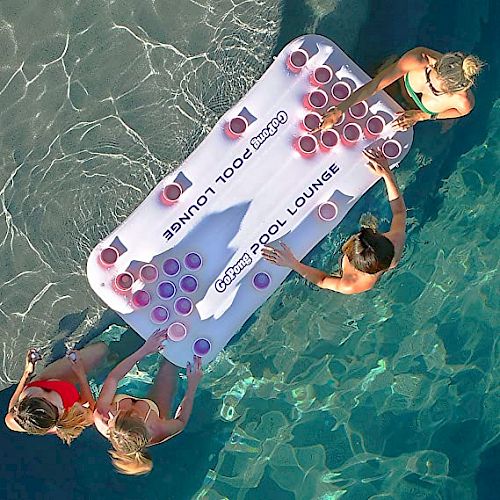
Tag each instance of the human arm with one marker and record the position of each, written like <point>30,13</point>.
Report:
<point>176,425</point>
<point>79,370</point>
<point>29,369</point>
<point>153,344</point>
<point>417,58</point>
<point>285,257</point>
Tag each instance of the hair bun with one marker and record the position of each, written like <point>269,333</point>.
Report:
<point>471,66</point>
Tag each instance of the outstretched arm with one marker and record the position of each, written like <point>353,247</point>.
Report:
<point>153,344</point>
<point>29,368</point>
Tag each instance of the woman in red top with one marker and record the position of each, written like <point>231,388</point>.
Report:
<point>52,403</point>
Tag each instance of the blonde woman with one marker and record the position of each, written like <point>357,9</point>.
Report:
<point>134,424</point>
<point>439,85</point>
<point>59,400</point>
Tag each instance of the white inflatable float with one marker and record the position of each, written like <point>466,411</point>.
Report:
<point>188,258</point>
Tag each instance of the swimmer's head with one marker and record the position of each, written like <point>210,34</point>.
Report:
<point>457,71</point>
<point>129,437</point>
<point>369,251</point>
<point>36,415</point>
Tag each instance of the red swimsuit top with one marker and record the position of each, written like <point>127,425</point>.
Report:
<point>68,392</point>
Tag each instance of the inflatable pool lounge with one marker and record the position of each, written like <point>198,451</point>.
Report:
<point>189,257</point>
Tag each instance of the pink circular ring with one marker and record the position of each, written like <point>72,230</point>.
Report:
<point>171,193</point>
<point>351,133</point>
<point>307,144</point>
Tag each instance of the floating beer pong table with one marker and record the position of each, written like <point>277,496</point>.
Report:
<point>246,185</point>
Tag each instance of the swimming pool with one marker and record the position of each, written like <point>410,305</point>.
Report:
<point>322,396</point>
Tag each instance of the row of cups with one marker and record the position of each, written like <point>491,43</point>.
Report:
<point>177,332</point>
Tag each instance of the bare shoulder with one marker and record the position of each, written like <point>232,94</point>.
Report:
<point>465,101</point>
<point>419,57</point>
<point>11,423</point>
<point>166,429</point>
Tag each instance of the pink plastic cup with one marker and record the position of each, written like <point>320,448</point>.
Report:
<point>311,121</point>
<point>148,273</point>
<point>329,139</point>
<point>375,125</point>
<point>108,256</point>
<point>201,347</point>
<point>123,282</point>
<point>317,99</point>
<point>177,332</point>
<point>307,144</point>
<point>261,281</point>
<point>297,60</point>
<point>327,211</point>
<point>358,110</point>
<point>193,261</point>
<point>188,284</point>
<point>341,91</point>
<point>171,193</point>
<point>351,133</point>
<point>391,149</point>
<point>141,299</point>
<point>183,306</point>
<point>322,75</point>
<point>237,126</point>
<point>159,315</point>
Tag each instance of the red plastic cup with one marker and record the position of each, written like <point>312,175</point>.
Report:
<point>108,256</point>
<point>351,133</point>
<point>358,110</point>
<point>327,211</point>
<point>317,99</point>
<point>148,273</point>
<point>307,144</point>
<point>322,75</point>
<point>297,60</point>
<point>311,121</point>
<point>177,332</point>
<point>341,91</point>
<point>375,125</point>
<point>141,299</point>
<point>123,282</point>
<point>237,126</point>
<point>391,149</point>
<point>159,315</point>
<point>171,193</point>
<point>329,139</point>
<point>202,347</point>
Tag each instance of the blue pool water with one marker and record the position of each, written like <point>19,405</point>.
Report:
<point>392,394</point>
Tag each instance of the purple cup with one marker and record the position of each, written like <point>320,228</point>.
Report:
<point>322,75</point>
<point>141,299</point>
<point>108,256</point>
<point>183,306</point>
<point>171,267</point>
<point>375,125</point>
<point>177,332</point>
<point>341,91</point>
<point>261,281</point>
<point>311,121</point>
<point>171,193</point>
<point>123,282</point>
<point>166,290</point>
<point>193,261</point>
<point>201,347</point>
<point>317,99</point>
<point>391,149</point>
<point>329,138</point>
<point>148,273</point>
<point>359,110</point>
<point>188,284</point>
<point>327,211</point>
<point>159,314</point>
<point>351,133</point>
<point>238,125</point>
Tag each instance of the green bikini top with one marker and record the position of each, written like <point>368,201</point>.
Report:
<point>415,97</point>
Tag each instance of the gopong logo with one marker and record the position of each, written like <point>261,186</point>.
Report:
<point>232,272</point>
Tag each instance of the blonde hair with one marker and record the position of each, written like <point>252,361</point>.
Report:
<point>129,437</point>
<point>458,71</point>
<point>39,416</point>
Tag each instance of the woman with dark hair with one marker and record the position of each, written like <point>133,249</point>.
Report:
<point>367,254</point>
<point>59,400</point>
<point>134,424</point>
<point>437,86</point>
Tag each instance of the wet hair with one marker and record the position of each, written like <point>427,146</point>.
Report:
<point>458,71</point>
<point>39,416</point>
<point>369,251</point>
<point>129,437</point>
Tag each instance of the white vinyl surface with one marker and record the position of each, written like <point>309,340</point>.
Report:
<point>238,197</point>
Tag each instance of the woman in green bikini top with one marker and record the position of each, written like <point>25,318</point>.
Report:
<point>442,80</point>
